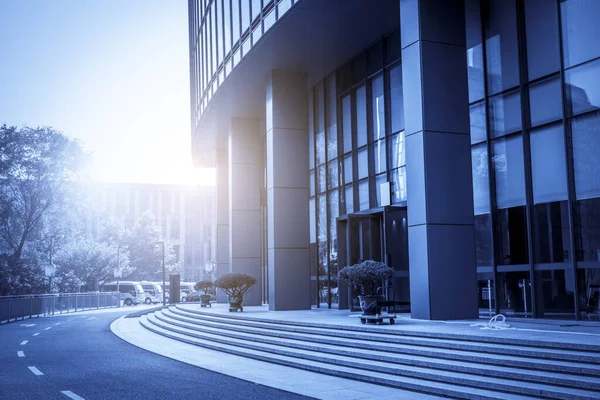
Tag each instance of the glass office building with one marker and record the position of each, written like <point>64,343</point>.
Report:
<point>456,141</point>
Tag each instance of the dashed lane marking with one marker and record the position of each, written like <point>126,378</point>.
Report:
<point>27,325</point>
<point>58,323</point>
<point>24,342</point>
<point>48,328</point>
<point>35,371</point>
<point>35,334</point>
<point>89,319</point>
<point>71,395</point>
<point>20,354</point>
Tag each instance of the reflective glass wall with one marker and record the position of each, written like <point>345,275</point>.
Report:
<point>533,69</point>
<point>222,32</point>
<point>356,142</point>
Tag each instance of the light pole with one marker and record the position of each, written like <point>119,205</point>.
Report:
<point>162,246</point>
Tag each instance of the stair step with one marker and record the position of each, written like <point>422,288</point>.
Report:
<point>377,355</point>
<point>504,385</point>
<point>389,338</point>
<point>415,384</point>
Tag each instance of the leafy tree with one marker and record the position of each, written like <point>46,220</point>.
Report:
<point>145,255</point>
<point>35,165</point>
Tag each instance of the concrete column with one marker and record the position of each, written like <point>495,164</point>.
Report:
<point>443,279</point>
<point>222,221</point>
<point>244,202</point>
<point>287,191</point>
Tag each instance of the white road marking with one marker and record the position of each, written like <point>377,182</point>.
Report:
<point>20,354</point>
<point>69,320</point>
<point>35,334</point>
<point>24,342</point>
<point>72,395</point>
<point>58,323</point>
<point>27,325</point>
<point>48,328</point>
<point>89,319</point>
<point>35,371</point>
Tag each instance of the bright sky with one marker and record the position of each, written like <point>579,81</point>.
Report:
<point>111,73</point>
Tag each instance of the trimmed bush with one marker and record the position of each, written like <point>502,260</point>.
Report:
<point>203,286</point>
<point>366,276</point>
<point>236,284</point>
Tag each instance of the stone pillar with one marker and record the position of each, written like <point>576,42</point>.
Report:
<point>287,191</point>
<point>222,226</point>
<point>244,203</point>
<point>443,278</point>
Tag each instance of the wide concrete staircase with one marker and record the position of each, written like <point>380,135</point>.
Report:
<point>447,365</point>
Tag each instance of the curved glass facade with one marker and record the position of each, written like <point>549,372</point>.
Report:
<point>222,32</point>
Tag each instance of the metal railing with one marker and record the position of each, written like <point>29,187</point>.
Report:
<point>13,308</point>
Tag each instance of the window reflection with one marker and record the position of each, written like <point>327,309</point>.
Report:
<point>363,195</point>
<point>398,179</point>
<point>332,146</point>
<point>379,156</point>
<point>551,223</point>
<point>509,170</point>
<point>583,88</point>
<point>484,248</point>
<point>481,191</point>
<point>397,150</point>
<point>548,165</point>
<point>586,155</point>
<point>474,50</point>
<point>349,197</point>
<point>541,24</point>
<point>378,108</point>
<point>580,30</point>
<point>478,123</point>
<point>332,172</point>
<point>512,236</point>
<point>505,113</point>
<point>587,229</point>
<point>363,163</point>
<point>348,169</point>
<point>361,116</point>
<point>545,101</point>
<point>245,13</point>
<point>347,123</point>
<point>396,99</point>
<point>515,293</point>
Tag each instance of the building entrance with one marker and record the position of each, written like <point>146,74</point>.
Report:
<point>379,234</point>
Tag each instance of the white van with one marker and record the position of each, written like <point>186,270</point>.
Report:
<point>153,292</point>
<point>131,292</point>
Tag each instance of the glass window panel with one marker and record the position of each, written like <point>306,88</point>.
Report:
<point>334,213</point>
<point>313,223</point>
<point>502,53</point>
<point>397,150</point>
<point>474,50</point>
<point>514,298</point>
<point>398,178</point>
<point>580,31</point>
<point>586,155</point>
<point>256,8</point>
<point>510,171</point>
<point>320,122</point>
<point>322,234</point>
<point>269,20</point>
<point>321,178</point>
<point>545,101</point>
<point>396,99</point>
<point>484,248</point>
<point>245,14</point>
<point>363,195</point>
<point>220,41</point>
<point>378,109</point>
<point>512,236</point>
<point>227,26</point>
<point>235,15</point>
<point>363,163</point>
<point>359,68</point>
<point>481,189</point>
<point>505,113</point>
<point>361,116</point>
<point>541,24</point>
<point>548,166</point>
<point>555,288</point>
<point>213,27</point>
<point>379,156</point>
<point>375,58</point>
<point>283,7</point>
<point>588,281</point>
<point>256,33</point>
<point>392,47</point>
<point>349,200</point>
<point>311,131</point>
<point>583,88</point>
<point>347,123</point>
<point>332,170</point>
<point>312,183</point>
<point>587,220</point>
<point>379,179</point>
<point>551,227</point>
<point>246,45</point>
<point>478,128</point>
<point>332,146</point>
<point>320,147</point>
<point>348,168</point>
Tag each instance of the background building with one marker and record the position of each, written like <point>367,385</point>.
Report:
<point>185,214</point>
<point>457,141</point>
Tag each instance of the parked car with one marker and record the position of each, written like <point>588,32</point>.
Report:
<point>131,292</point>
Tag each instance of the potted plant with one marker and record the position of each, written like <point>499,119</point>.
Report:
<point>204,298</point>
<point>366,277</point>
<point>235,285</point>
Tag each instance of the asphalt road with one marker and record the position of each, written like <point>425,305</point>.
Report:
<point>79,355</point>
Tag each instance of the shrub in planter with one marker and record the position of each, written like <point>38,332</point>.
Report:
<point>365,277</point>
<point>235,285</point>
<point>204,286</point>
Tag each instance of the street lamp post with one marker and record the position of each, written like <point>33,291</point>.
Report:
<point>162,245</point>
